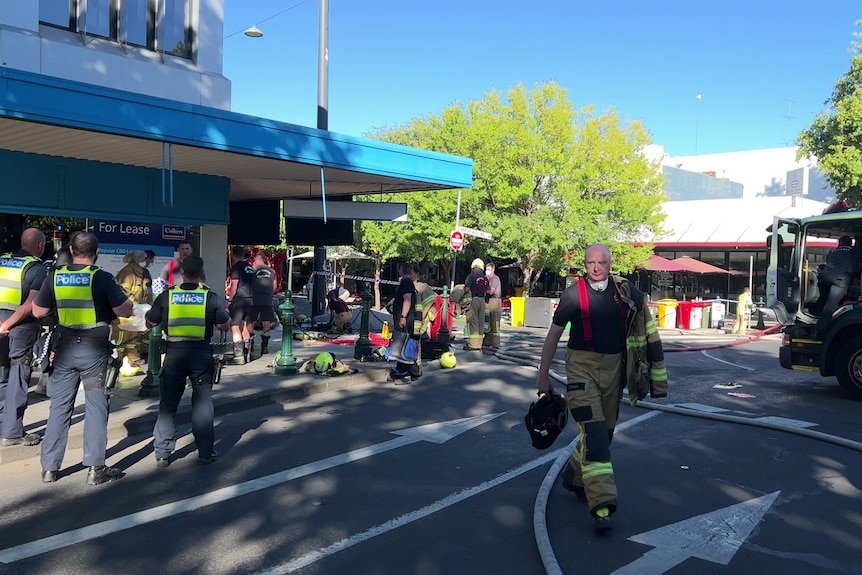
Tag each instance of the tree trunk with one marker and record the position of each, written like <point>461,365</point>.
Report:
<point>378,264</point>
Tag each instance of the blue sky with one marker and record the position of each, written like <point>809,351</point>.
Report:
<point>763,68</point>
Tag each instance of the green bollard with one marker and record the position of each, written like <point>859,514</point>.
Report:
<point>150,384</point>
<point>286,364</point>
<point>362,351</point>
<point>443,332</point>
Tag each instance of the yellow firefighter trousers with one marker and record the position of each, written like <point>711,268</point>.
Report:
<point>593,395</point>
<point>476,323</point>
<point>495,310</point>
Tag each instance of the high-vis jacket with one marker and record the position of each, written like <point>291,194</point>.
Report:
<point>187,310</point>
<point>73,291</point>
<point>643,345</point>
<point>12,279</point>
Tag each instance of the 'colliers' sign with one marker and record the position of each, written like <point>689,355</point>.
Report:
<point>131,233</point>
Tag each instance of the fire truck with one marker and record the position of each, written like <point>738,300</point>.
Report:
<point>797,252</point>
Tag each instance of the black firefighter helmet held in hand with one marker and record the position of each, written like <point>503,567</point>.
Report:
<point>546,419</point>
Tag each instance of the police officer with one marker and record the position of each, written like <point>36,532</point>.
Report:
<point>21,277</point>
<point>187,313</point>
<point>86,300</point>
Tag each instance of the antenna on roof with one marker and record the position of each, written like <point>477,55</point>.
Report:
<point>789,117</point>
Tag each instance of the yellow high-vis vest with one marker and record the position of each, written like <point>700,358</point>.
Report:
<point>73,291</point>
<point>12,279</point>
<point>187,311</point>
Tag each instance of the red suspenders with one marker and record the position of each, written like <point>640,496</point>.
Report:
<point>584,304</point>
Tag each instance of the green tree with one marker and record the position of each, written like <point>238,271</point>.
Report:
<point>549,181</point>
<point>835,135</point>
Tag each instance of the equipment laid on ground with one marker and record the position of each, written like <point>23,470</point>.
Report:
<point>546,419</point>
<point>795,291</point>
<point>448,360</point>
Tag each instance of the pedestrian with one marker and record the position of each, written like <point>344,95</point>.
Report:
<point>137,285</point>
<point>339,313</point>
<point>743,309</point>
<point>834,280</point>
<point>494,304</point>
<point>262,293</point>
<point>612,339</point>
<point>171,271</point>
<point>403,309</point>
<point>239,304</point>
<point>187,313</point>
<point>86,300</point>
<point>475,287</point>
<point>21,278</point>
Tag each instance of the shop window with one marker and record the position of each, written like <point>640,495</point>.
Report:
<point>100,13</point>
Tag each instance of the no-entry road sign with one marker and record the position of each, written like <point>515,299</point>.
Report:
<point>456,240</point>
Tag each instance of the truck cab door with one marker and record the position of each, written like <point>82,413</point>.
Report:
<point>783,293</point>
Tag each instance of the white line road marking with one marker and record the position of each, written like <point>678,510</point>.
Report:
<point>728,362</point>
<point>338,546</point>
<point>434,432</point>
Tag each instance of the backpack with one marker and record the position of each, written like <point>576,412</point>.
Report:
<point>481,287</point>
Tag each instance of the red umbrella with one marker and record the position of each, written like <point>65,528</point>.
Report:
<point>660,264</point>
<point>698,267</point>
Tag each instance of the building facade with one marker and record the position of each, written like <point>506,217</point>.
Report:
<point>119,111</point>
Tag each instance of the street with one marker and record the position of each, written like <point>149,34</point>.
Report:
<point>439,477</point>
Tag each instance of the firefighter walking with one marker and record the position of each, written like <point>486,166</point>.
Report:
<point>613,341</point>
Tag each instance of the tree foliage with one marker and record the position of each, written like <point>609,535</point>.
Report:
<point>549,180</point>
<point>835,135</point>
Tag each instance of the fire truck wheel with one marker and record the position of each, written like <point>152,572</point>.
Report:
<point>848,367</point>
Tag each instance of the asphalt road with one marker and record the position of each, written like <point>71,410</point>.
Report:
<point>324,486</point>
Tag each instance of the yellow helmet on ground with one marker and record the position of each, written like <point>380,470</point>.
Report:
<point>448,360</point>
<point>477,263</point>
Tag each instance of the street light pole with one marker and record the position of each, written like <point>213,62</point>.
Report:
<point>318,294</point>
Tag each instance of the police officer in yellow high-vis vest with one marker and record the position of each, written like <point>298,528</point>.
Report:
<point>187,314</point>
<point>86,300</point>
<point>21,277</point>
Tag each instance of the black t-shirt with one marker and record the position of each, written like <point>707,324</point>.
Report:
<point>263,285</point>
<point>33,278</point>
<point>244,273</point>
<point>215,313</point>
<point>406,286</point>
<point>107,295</point>
<point>606,319</point>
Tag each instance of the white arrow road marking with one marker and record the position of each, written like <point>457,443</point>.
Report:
<point>714,536</point>
<point>434,432</point>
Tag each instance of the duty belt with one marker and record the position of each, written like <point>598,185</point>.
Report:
<point>83,340</point>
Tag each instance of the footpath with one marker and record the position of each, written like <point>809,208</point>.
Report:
<point>253,385</point>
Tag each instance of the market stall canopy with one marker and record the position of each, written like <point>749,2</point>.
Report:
<point>346,253</point>
<point>660,264</point>
<point>698,267</point>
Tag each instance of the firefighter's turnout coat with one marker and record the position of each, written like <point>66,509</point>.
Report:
<point>644,354</point>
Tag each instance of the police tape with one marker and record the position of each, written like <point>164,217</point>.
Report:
<point>365,279</point>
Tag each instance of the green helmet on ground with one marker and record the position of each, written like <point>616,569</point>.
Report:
<point>448,360</point>
<point>323,362</point>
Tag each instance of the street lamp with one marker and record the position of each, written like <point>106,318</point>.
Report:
<point>253,32</point>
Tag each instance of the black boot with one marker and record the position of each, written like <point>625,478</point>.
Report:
<point>264,344</point>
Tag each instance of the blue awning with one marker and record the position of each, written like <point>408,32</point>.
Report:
<point>262,158</point>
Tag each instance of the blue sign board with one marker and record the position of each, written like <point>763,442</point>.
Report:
<point>138,234</point>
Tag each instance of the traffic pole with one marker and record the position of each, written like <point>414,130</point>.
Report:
<point>362,351</point>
